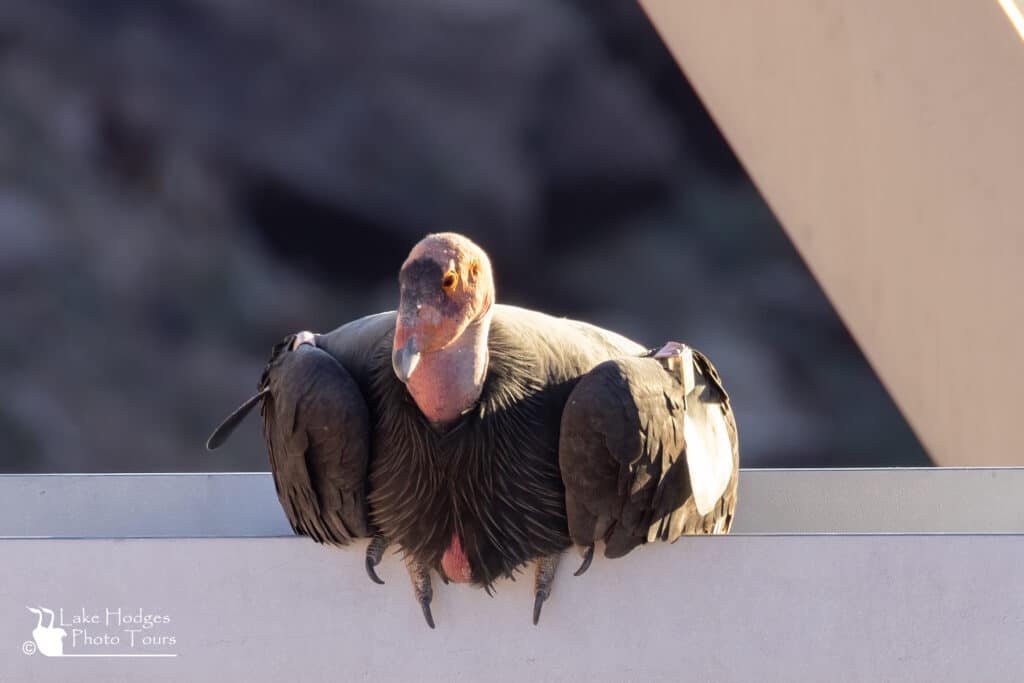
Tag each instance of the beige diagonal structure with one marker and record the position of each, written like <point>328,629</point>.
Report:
<point>888,137</point>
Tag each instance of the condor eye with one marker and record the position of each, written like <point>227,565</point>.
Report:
<point>451,278</point>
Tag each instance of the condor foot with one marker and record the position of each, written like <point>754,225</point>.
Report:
<point>546,568</point>
<point>420,576</point>
<point>374,554</point>
<point>588,557</point>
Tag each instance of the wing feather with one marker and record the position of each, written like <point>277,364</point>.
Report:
<point>317,430</point>
<point>623,454</point>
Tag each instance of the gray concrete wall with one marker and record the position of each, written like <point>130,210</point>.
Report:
<point>886,136</point>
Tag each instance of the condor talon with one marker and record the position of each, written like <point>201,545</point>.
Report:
<point>374,554</point>
<point>588,557</point>
<point>373,574</point>
<point>538,602</point>
<point>420,576</point>
<point>545,576</point>
<point>425,604</point>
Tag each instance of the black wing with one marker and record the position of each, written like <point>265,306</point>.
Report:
<point>317,429</point>
<point>623,454</point>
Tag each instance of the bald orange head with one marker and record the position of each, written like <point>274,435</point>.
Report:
<point>446,284</point>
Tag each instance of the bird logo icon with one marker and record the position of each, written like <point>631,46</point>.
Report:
<point>48,639</point>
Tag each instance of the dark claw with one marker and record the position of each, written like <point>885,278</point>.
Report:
<point>588,557</point>
<point>538,602</point>
<point>374,554</point>
<point>420,576</point>
<point>371,572</point>
<point>546,569</point>
<point>488,590</point>
<point>425,604</point>
<point>444,577</point>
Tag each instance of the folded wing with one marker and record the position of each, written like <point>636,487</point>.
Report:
<point>648,451</point>
<point>317,429</point>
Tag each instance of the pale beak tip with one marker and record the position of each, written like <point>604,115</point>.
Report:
<point>405,360</point>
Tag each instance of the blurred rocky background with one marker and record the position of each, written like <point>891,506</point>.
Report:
<point>183,183</point>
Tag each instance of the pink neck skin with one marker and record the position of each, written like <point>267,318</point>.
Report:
<point>448,382</point>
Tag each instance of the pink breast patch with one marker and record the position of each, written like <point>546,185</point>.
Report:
<point>455,563</point>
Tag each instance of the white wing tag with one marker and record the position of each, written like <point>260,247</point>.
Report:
<point>708,449</point>
<point>708,457</point>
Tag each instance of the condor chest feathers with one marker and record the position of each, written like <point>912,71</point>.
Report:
<point>491,479</point>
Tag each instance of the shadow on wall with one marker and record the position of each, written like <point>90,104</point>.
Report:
<point>185,184</point>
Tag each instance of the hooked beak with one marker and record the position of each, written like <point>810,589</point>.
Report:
<point>405,359</point>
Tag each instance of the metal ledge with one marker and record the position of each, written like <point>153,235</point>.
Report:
<point>747,608</point>
<point>926,500</point>
<point>853,575</point>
